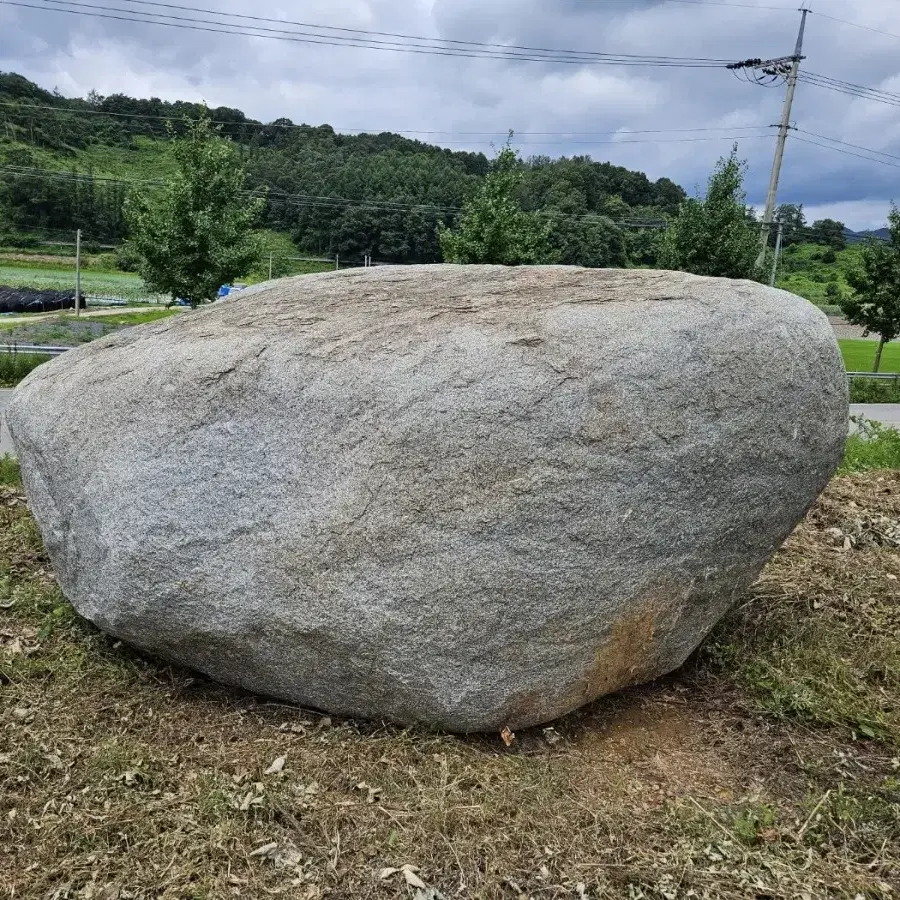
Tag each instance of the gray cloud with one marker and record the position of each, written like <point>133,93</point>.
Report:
<point>357,88</point>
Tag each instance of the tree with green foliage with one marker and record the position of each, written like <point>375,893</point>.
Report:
<point>876,281</point>
<point>196,233</point>
<point>493,227</point>
<point>793,220</point>
<point>830,233</point>
<point>594,242</point>
<point>714,235</point>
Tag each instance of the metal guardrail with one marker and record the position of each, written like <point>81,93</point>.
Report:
<point>33,348</point>
<point>881,376</point>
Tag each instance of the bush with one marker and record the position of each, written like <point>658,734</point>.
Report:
<point>874,390</point>
<point>9,471</point>
<point>875,446</point>
<point>126,259</point>
<point>15,366</point>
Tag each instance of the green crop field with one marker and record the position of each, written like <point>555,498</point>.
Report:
<point>93,283</point>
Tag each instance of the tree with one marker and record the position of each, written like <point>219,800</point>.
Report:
<point>591,242</point>
<point>791,216</point>
<point>876,280</point>
<point>493,227</point>
<point>714,235</point>
<point>195,234</point>
<point>829,233</point>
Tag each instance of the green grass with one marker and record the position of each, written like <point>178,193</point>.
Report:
<point>804,272</point>
<point>872,390</point>
<point>102,263</point>
<point>859,355</point>
<point>143,158</point>
<point>10,474</point>
<point>875,446</point>
<point>15,366</point>
<point>817,641</point>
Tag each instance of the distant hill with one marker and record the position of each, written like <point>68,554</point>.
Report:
<point>855,237</point>
<point>67,162</point>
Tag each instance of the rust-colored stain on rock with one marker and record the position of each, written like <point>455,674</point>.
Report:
<point>613,668</point>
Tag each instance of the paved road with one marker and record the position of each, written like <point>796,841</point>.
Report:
<point>886,413</point>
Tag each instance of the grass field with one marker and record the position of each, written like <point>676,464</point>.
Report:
<point>859,355</point>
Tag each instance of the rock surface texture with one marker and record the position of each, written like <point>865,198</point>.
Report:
<point>464,496</point>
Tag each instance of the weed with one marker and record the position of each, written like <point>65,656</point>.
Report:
<point>817,642</point>
<point>873,390</point>
<point>10,473</point>
<point>14,366</point>
<point>874,446</point>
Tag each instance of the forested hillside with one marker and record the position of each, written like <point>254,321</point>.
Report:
<point>68,163</point>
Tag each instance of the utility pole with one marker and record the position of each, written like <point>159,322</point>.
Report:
<point>768,72</point>
<point>270,266</point>
<point>783,129</point>
<point>777,253</point>
<point>78,272</point>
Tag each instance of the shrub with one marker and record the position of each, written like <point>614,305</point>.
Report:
<point>15,366</point>
<point>875,446</point>
<point>874,390</point>
<point>127,260</point>
<point>9,471</point>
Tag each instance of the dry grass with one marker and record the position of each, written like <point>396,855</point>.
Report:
<point>747,775</point>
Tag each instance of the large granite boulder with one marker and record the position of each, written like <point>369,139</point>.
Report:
<point>464,496</point>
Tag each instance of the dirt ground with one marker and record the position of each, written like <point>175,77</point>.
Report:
<point>763,769</point>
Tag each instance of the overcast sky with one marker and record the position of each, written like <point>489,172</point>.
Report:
<point>364,89</point>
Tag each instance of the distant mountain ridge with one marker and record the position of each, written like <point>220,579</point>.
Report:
<point>855,237</point>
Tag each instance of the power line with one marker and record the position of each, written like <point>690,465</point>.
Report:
<point>183,8</point>
<point>735,5</point>
<point>855,24</point>
<point>884,162</point>
<point>859,94</point>
<point>433,49</point>
<point>846,144</point>
<point>813,12</point>
<point>849,85</point>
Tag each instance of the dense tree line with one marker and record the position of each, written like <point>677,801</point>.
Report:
<point>379,194</point>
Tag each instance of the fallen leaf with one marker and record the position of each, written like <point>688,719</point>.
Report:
<point>413,880</point>
<point>265,850</point>
<point>372,793</point>
<point>277,766</point>
<point>251,798</point>
<point>386,873</point>
<point>507,736</point>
